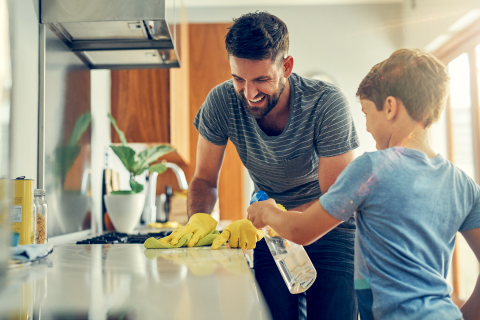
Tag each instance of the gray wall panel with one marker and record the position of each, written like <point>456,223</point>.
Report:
<point>67,162</point>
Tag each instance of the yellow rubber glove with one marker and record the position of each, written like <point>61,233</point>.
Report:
<point>242,234</point>
<point>200,224</point>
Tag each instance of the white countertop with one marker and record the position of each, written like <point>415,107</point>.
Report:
<point>107,281</point>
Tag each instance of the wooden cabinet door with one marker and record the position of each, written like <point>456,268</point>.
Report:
<point>141,105</point>
<point>209,67</point>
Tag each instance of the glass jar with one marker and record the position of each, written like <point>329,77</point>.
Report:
<point>41,212</point>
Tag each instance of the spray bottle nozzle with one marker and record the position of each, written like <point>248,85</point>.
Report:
<point>259,196</point>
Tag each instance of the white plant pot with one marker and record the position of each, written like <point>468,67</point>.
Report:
<point>125,210</point>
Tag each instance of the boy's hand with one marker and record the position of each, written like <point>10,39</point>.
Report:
<point>258,211</point>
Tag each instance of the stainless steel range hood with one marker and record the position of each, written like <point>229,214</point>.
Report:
<point>117,34</point>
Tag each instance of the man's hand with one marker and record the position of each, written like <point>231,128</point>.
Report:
<point>200,224</point>
<point>242,234</point>
<point>258,210</point>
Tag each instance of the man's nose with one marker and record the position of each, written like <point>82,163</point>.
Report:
<point>250,90</point>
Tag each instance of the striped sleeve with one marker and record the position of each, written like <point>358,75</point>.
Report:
<point>211,120</point>
<point>336,132</point>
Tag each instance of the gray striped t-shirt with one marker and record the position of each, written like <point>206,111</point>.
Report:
<point>285,166</point>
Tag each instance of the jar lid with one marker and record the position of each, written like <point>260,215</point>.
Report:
<point>22,178</point>
<point>39,192</point>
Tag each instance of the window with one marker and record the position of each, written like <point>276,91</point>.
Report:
<point>461,123</point>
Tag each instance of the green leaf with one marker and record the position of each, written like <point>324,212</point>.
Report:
<point>159,167</point>
<point>119,132</point>
<point>126,155</point>
<point>80,127</point>
<point>138,171</point>
<point>122,192</point>
<point>136,187</point>
<point>152,154</point>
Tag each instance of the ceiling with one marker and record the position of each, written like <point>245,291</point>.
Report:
<point>261,3</point>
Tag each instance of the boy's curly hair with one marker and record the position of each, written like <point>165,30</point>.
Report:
<point>415,77</point>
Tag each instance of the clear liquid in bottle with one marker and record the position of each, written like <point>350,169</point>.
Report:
<point>292,260</point>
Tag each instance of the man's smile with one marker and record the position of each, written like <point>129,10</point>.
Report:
<point>258,100</point>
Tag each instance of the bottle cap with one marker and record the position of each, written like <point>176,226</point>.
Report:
<point>39,192</point>
<point>259,196</point>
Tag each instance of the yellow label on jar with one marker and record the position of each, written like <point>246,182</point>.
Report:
<point>22,211</point>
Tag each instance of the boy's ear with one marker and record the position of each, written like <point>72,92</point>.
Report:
<point>390,108</point>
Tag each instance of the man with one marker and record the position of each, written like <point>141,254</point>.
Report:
<point>295,136</point>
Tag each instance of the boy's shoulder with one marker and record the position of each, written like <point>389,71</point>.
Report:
<point>398,162</point>
<point>398,155</point>
<point>373,158</point>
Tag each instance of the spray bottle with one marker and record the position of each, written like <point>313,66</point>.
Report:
<point>292,260</point>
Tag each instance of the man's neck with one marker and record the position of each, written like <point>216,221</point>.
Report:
<point>276,120</point>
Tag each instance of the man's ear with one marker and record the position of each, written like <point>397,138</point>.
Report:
<point>390,108</point>
<point>287,66</point>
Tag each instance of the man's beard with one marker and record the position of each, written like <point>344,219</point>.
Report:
<point>260,112</point>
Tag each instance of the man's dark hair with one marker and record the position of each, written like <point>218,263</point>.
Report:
<point>257,36</point>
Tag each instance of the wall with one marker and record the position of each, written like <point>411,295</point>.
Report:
<point>425,20</point>
<point>24,48</point>
<point>5,91</point>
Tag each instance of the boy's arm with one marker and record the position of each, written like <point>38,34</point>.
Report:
<point>471,308</point>
<point>300,227</point>
<point>342,200</point>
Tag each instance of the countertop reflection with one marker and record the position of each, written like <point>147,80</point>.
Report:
<point>128,281</point>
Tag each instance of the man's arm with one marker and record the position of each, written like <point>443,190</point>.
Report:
<point>203,190</point>
<point>471,308</point>
<point>328,171</point>
<point>330,167</point>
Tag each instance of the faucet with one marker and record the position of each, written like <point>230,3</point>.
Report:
<point>150,209</point>
<point>182,181</point>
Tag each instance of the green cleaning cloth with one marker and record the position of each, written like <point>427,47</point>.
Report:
<point>152,243</point>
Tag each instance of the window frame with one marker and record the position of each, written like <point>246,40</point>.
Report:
<point>464,41</point>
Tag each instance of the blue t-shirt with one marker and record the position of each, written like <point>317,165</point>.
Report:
<point>408,209</point>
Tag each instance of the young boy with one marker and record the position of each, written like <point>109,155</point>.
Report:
<point>408,201</point>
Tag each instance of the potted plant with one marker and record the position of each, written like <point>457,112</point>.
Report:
<point>125,206</point>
